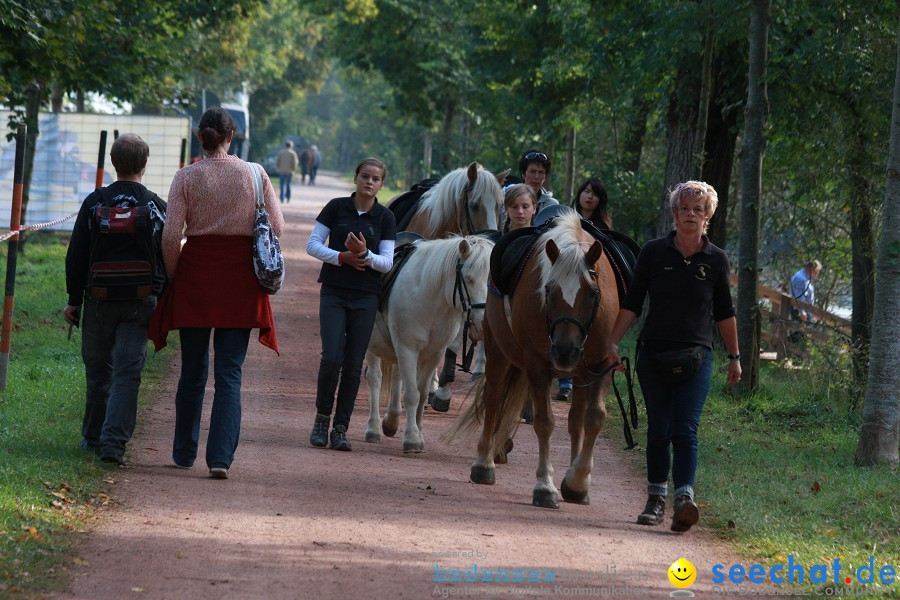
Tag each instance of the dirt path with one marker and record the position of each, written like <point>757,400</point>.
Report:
<point>298,522</point>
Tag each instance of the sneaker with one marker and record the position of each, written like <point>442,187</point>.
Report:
<point>563,395</point>
<point>654,511</point>
<point>218,471</point>
<point>686,514</point>
<point>119,459</point>
<point>339,438</point>
<point>319,435</point>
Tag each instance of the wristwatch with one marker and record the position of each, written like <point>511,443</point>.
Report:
<point>734,357</point>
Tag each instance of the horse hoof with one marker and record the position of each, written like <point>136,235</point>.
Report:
<point>373,437</point>
<point>388,430</point>
<point>413,447</point>
<point>544,499</point>
<point>439,404</point>
<point>482,475</point>
<point>570,495</point>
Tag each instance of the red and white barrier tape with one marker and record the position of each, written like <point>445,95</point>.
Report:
<point>35,227</point>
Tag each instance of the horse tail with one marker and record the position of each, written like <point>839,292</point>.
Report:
<point>516,392</point>
<point>468,422</point>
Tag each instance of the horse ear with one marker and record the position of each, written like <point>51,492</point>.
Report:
<point>552,251</point>
<point>501,177</point>
<point>472,172</point>
<point>464,247</point>
<point>594,253</point>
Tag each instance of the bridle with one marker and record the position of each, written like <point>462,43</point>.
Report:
<point>583,328</point>
<point>461,291</point>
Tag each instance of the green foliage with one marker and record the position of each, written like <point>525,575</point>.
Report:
<point>776,474</point>
<point>48,485</point>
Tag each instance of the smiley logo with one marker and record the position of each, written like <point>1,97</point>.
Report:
<point>682,573</point>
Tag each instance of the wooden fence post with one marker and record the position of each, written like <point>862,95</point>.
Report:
<point>14,218</point>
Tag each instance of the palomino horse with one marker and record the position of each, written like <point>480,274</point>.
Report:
<point>465,201</point>
<point>431,294</point>
<point>573,292</point>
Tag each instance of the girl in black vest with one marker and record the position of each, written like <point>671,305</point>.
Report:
<point>360,236</point>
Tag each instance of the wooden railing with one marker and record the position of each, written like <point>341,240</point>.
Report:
<point>780,331</point>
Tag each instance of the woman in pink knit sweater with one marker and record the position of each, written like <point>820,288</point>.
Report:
<point>213,287</point>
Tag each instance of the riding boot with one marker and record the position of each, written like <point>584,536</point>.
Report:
<point>654,511</point>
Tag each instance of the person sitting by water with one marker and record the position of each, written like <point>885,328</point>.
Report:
<point>802,289</point>
<point>591,203</point>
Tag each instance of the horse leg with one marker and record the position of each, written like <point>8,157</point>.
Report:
<point>544,494</point>
<point>482,470</point>
<point>576,422</point>
<point>408,364</point>
<point>577,482</point>
<point>391,421</point>
<point>374,372</point>
<point>440,401</point>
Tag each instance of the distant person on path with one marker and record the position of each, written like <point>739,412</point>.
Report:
<point>114,331</point>
<point>591,203</point>
<point>314,166</point>
<point>687,280</point>
<point>802,289</point>
<point>354,238</point>
<point>286,164</point>
<point>214,291</point>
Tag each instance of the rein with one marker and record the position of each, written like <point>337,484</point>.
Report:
<point>461,291</point>
<point>597,375</point>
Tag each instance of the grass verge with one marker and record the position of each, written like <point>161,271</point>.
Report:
<point>49,487</point>
<point>776,479</point>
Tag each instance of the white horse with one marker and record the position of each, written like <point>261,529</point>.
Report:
<point>422,316</point>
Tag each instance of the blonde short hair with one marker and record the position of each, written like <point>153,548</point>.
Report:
<point>695,188</point>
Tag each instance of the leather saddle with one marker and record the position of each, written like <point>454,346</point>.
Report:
<point>512,252</point>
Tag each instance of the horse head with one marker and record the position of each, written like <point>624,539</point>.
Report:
<point>472,271</point>
<point>571,294</point>
<point>465,201</point>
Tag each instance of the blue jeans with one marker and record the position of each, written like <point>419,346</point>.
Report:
<point>565,382</point>
<point>673,416</point>
<point>285,186</point>
<point>230,346</point>
<point>114,349</point>
<point>346,319</point>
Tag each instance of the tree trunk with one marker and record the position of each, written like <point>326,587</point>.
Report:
<point>721,143</point>
<point>79,101</point>
<point>569,186</point>
<point>446,137</point>
<point>681,122</point>
<point>56,98</point>
<point>426,154</point>
<point>705,93</point>
<point>755,115</point>
<point>862,248</point>
<point>880,433</point>
<point>635,130</point>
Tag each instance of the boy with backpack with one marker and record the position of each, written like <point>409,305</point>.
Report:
<point>114,267</point>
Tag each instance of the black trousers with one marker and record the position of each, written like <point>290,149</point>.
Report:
<point>346,318</point>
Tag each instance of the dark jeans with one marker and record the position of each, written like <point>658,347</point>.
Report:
<point>346,319</point>
<point>285,186</point>
<point>673,416</point>
<point>230,347</point>
<point>114,349</point>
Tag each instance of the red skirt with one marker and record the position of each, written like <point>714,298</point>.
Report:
<point>214,287</point>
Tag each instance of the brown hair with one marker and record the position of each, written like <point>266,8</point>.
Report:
<point>371,162</point>
<point>129,154</point>
<point>215,125</point>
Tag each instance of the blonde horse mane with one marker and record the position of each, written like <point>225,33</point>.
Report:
<point>433,259</point>
<point>443,200</point>
<point>569,267</point>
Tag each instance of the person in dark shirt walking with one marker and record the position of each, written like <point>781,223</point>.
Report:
<point>114,328</point>
<point>687,280</point>
<point>360,236</point>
